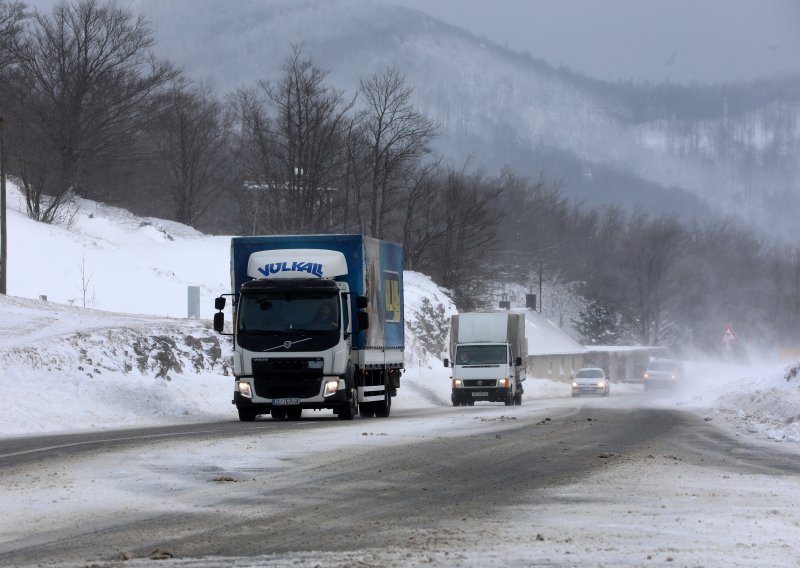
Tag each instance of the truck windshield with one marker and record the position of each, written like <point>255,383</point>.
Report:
<point>481,355</point>
<point>266,312</point>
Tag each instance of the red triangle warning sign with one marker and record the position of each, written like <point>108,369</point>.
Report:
<point>728,335</point>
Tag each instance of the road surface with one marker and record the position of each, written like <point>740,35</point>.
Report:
<point>591,482</point>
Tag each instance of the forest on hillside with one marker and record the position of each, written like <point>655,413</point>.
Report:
<point>90,111</point>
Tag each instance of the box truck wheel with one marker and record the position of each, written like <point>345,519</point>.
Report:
<point>294,413</point>
<point>278,413</point>
<point>349,410</point>
<point>366,410</point>
<point>246,414</point>
<point>518,399</point>
<point>382,409</point>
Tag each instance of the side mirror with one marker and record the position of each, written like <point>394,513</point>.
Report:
<point>518,362</point>
<point>361,302</point>
<point>362,320</point>
<point>447,362</point>
<point>219,319</point>
<point>219,303</point>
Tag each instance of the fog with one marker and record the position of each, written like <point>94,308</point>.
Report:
<point>654,40</point>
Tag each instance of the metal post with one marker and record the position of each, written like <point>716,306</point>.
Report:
<point>3,233</point>
<point>540,286</point>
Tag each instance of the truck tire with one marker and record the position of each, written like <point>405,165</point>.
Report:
<point>509,400</point>
<point>294,413</point>
<point>383,409</point>
<point>366,410</point>
<point>518,399</point>
<point>349,410</point>
<point>278,413</point>
<point>246,415</point>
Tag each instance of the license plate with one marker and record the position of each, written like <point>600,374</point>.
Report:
<point>285,401</point>
<point>480,394</point>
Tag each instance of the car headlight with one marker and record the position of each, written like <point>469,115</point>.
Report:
<point>456,383</point>
<point>331,386</point>
<point>244,389</point>
<point>574,384</point>
<point>601,384</point>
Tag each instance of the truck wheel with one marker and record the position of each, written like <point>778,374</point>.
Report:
<point>294,413</point>
<point>509,400</point>
<point>278,413</point>
<point>366,410</point>
<point>246,415</point>
<point>349,410</point>
<point>518,399</point>
<point>470,403</point>
<point>382,409</point>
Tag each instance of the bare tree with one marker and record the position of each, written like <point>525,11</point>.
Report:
<point>651,251</point>
<point>292,138</point>
<point>460,258</point>
<point>190,139</point>
<point>12,16</point>
<point>397,137</point>
<point>83,79</point>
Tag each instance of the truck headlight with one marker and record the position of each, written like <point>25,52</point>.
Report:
<point>244,389</point>
<point>503,383</point>
<point>456,383</point>
<point>601,383</point>
<point>331,386</point>
<point>574,384</point>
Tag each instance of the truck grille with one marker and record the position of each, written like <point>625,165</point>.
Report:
<point>287,378</point>
<point>483,383</point>
<point>299,387</point>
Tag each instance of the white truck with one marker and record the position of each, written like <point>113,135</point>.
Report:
<point>489,355</point>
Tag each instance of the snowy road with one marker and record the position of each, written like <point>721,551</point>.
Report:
<point>559,482</point>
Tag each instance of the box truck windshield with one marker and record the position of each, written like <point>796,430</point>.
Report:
<point>482,355</point>
<point>267,312</point>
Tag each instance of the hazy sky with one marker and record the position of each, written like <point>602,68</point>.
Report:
<point>679,40</point>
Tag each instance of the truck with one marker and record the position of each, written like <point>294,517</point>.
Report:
<point>317,323</point>
<point>488,353</point>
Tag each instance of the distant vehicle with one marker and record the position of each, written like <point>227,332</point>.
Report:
<point>490,354</point>
<point>590,380</point>
<point>663,373</point>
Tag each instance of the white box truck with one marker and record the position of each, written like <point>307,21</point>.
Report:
<point>488,354</point>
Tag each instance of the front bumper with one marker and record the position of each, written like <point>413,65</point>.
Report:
<point>483,394</point>
<point>593,389</point>
<point>303,395</point>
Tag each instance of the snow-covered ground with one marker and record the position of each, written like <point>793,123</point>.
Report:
<point>131,358</point>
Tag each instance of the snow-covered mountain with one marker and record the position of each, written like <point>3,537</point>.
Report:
<point>496,107</point>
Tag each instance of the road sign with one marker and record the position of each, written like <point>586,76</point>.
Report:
<point>728,335</point>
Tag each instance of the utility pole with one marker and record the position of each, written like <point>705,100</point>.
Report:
<point>541,270</point>
<point>3,244</point>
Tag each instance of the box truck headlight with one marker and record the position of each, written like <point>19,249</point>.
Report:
<point>456,383</point>
<point>244,389</point>
<point>503,383</point>
<point>601,384</point>
<point>646,376</point>
<point>574,384</point>
<point>331,386</point>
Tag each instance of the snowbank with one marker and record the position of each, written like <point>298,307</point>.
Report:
<point>66,367</point>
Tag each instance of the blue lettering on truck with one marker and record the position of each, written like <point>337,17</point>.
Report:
<point>313,268</point>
